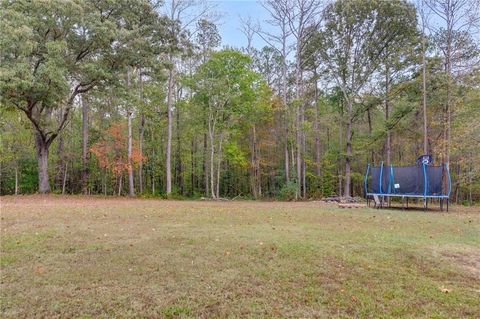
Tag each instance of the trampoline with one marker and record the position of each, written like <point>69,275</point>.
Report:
<point>421,181</point>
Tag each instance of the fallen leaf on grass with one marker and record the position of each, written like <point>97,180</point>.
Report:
<point>39,269</point>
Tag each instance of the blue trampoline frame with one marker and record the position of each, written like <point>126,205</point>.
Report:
<point>425,196</point>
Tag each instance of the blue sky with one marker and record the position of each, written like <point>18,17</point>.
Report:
<point>229,23</point>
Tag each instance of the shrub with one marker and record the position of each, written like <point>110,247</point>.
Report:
<point>288,191</point>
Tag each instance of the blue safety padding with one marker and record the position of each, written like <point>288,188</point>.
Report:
<point>449,179</point>
<point>392,180</point>
<point>380,181</point>
<point>424,179</point>
<point>416,180</point>
<point>365,182</point>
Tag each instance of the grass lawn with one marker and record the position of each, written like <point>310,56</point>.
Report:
<point>75,257</point>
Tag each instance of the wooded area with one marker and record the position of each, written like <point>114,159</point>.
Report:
<point>137,97</point>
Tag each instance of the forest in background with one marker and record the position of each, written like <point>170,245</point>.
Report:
<point>137,97</point>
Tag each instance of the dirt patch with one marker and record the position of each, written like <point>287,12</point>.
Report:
<point>469,261</point>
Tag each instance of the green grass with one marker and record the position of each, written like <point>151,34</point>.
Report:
<point>105,258</point>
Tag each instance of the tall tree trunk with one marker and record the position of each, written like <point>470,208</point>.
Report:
<point>348,154</point>
<point>64,183</point>
<point>424,95</point>
<point>284,100</point>
<point>140,145</point>
<point>42,160</point>
<point>298,147</point>
<point>253,184</point>
<point>287,159</point>
<point>153,184</point>
<point>219,165</point>
<point>84,174</point>
<point>457,184</point>
<point>254,164</point>
<point>317,132</point>
<point>192,162</point>
<point>205,164</point>
<point>448,66</point>
<point>257,165</point>
<point>340,181</point>
<point>60,163</point>
<point>178,162</point>
<point>448,113</point>
<point>120,185</point>
<point>387,115</point>
<point>470,182</point>
<point>212,167</point>
<point>131,189</point>
<point>303,138</point>
<point>304,168</point>
<point>292,156</point>
<point>16,178</point>
<point>141,133</point>
<point>211,134</point>
<point>298,133</point>
<point>304,179</point>
<point>294,168</point>
<point>340,147</point>
<point>369,119</point>
<point>168,165</point>
<point>105,182</point>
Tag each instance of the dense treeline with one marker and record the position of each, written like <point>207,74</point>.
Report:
<point>136,97</point>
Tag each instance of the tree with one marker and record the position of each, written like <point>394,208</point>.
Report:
<point>423,24</point>
<point>14,146</point>
<point>177,11</point>
<point>208,38</point>
<point>356,34</point>
<point>302,19</point>
<point>459,18</point>
<point>277,10</point>
<point>268,62</point>
<point>397,56</point>
<point>224,85</point>
<point>85,153</point>
<point>53,51</point>
<point>117,152</point>
<point>313,63</point>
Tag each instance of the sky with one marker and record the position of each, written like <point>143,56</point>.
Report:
<point>229,23</point>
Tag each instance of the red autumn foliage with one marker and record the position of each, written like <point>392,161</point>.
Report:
<point>112,150</point>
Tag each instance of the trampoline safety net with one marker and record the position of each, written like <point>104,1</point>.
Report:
<point>418,180</point>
